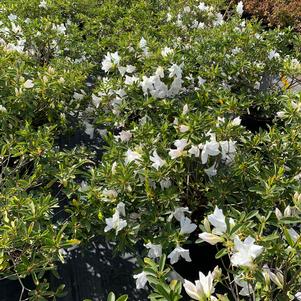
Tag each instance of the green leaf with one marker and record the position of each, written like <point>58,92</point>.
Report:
<point>111,297</point>
<point>122,298</point>
<point>221,253</point>
<point>162,263</point>
<point>290,220</point>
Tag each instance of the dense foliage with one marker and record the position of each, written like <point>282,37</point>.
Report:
<point>190,110</point>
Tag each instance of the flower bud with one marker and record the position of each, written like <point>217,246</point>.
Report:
<point>278,213</point>
<point>288,211</point>
<point>212,239</point>
<point>207,225</point>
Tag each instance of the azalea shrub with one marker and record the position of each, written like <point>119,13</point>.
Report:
<point>193,117</point>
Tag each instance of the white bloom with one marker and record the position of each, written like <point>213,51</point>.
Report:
<point>228,150</point>
<point>201,81</point>
<point>3,109</point>
<point>141,280</point>
<point>175,70</point>
<point>130,80</point>
<point>166,51</point>
<point>157,161</point>
<point>195,150</point>
<point>187,226</point>
<point>278,214</point>
<point>240,8</point>
<point>245,252</point>
<point>12,17</point>
<point>179,151</point>
<point>142,43</point>
<point>124,136</point>
<point>122,70</point>
<point>160,72</point>
<point>185,109</point>
<point>211,148</point>
<point>115,222</point>
<point>202,289</point>
<point>130,68</point>
<point>132,156</point>
<point>109,194</point>
<point>78,96</point>
<point>236,121</point>
<point>179,213</point>
<point>273,55</point>
<point>210,238</point>
<point>43,4</point>
<point>165,183</point>
<point>178,252</point>
<point>246,290</point>
<point>121,208</point>
<point>28,84</point>
<point>202,6</point>
<point>218,220</point>
<point>211,171</point>
<point>298,296</point>
<point>96,100</point>
<point>154,250</point>
<point>183,128</point>
<point>89,129</point>
<point>110,60</point>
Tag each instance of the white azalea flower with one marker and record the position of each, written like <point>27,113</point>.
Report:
<point>160,72</point>
<point>89,129</point>
<point>43,4</point>
<point>165,183</point>
<point>245,252</point>
<point>142,43</point>
<point>236,121</point>
<point>202,289</point>
<point>109,194</point>
<point>157,161</point>
<point>240,8</point>
<point>132,156</point>
<point>121,208</point>
<point>124,136</point>
<point>228,150</point>
<point>246,290</point>
<point>183,128</point>
<point>28,84</point>
<point>141,280</point>
<point>179,213</point>
<point>298,296</point>
<point>115,222</point>
<point>202,6</point>
<point>185,109</point>
<point>218,220</point>
<point>175,70</point>
<point>195,150</point>
<point>3,109</point>
<point>178,252</point>
<point>211,148</point>
<point>166,51</point>
<point>96,100</point>
<point>187,226</point>
<point>130,80</point>
<point>179,151</point>
<point>110,60</point>
<point>155,251</point>
<point>273,55</point>
<point>211,171</point>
